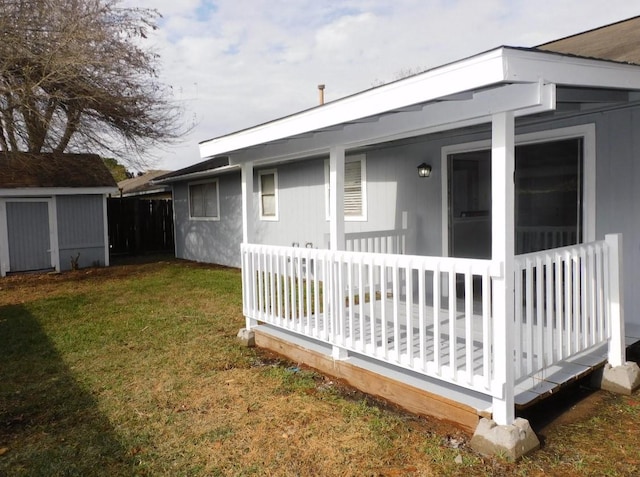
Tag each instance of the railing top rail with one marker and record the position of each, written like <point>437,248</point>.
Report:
<point>444,264</point>
<point>571,249</point>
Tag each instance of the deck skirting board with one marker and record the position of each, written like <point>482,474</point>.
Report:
<point>415,393</point>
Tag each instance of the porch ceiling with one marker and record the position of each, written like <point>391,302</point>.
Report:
<point>459,94</point>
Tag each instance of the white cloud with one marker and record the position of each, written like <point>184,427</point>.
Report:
<point>237,63</point>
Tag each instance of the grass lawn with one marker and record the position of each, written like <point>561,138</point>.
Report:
<point>135,370</point>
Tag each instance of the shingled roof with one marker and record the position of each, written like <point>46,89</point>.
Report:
<point>618,41</point>
<point>27,170</point>
<point>204,166</point>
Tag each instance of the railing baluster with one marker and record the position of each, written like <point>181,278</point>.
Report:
<point>422,331</point>
<point>383,309</point>
<point>529,334</point>
<point>519,318</point>
<point>306,322</point>
<point>487,331</point>
<point>468,317</point>
<point>560,315</point>
<point>352,304</point>
<point>437,293</point>
<point>600,285</point>
<point>539,285</point>
<point>549,306</point>
<point>371,292</point>
<point>453,362</point>
<point>395,290</point>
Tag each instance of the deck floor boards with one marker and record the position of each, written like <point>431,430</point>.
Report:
<point>351,334</point>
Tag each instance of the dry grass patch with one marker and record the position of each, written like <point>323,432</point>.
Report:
<point>135,370</point>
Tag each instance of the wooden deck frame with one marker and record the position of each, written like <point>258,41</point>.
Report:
<point>373,381</point>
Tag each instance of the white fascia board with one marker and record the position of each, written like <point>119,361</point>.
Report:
<point>524,65</point>
<point>497,67</point>
<point>51,191</point>
<point>473,73</point>
<point>528,98</point>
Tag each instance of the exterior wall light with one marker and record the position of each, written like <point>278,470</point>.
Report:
<point>424,170</point>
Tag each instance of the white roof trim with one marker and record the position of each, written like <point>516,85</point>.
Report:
<point>51,191</point>
<point>503,65</point>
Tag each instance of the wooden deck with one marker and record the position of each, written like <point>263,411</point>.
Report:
<point>362,341</point>
<point>555,377</point>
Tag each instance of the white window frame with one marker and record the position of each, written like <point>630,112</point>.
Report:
<point>268,172</point>
<point>204,218</point>
<point>585,131</point>
<point>363,189</point>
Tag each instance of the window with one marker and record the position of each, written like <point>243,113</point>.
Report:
<point>355,188</point>
<point>203,201</point>
<point>268,195</point>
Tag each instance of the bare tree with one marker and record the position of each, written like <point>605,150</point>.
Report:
<point>75,77</point>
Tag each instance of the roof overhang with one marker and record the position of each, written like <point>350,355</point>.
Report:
<point>51,191</point>
<point>198,175</point>
<point>459,94</point>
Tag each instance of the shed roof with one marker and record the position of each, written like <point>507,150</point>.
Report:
<point>618,41</point>
<point>142,184</point>
<point>19,170</point>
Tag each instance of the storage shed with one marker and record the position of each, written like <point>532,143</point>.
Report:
<point>53,211</point>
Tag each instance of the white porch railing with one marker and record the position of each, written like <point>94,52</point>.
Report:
<point>531,239</point>
<point>433,315</point>
<point>392,241</point>
<point>561,305</point>
<point>427,314</point>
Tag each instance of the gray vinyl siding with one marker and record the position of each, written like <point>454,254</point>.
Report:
<point>211,241</point>
<point>301,214</point>
<point>81,230</point>
<point>395,192</point>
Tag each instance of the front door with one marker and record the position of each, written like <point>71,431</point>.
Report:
<point>548,190</point>
<point>470,204</point>
<point>28,234</point>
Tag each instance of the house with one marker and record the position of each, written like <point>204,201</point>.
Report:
<point>53,211</point>
<point>141,216</point>
<point>463,241</point>
<point>203,233</point>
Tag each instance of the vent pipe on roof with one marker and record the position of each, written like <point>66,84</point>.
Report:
<point>321,93</point>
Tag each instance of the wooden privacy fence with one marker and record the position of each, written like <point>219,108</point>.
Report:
<point>140,225</point>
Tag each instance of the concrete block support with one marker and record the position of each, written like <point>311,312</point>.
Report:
<point>511,441</point>
<point>247,337</point>
<point>623,379</point>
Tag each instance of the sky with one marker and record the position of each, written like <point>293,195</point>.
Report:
<point>233,64</point>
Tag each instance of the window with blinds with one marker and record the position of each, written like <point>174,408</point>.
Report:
<point>268,195</point>
<point>203,201</point>
<point>354,188</point>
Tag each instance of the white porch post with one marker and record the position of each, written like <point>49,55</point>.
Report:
<point>336,226</point>
<point>336,198</point>
<point>617,349</point>
<point>247,202</point>
<point>503,251</point>
<point>247,233</point>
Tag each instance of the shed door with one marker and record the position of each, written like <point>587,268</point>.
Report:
<point>28,233</point>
